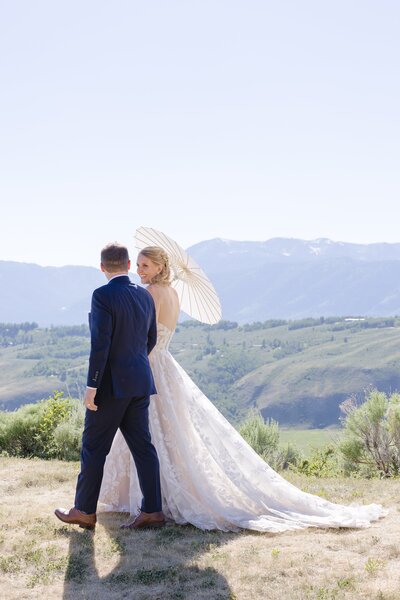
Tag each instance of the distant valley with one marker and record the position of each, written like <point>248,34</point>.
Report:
<point>297,372</point>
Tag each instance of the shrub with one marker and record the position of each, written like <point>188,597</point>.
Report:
<point>67,436</point>
<point>55,410</point>
<point>322,462</point>
<point>263,437</point>
<point>19,431</point>
<point>49,429</point>
<point>371,444</point>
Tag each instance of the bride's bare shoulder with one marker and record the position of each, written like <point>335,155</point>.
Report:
<point>159,291</point>
<point>155,288</point>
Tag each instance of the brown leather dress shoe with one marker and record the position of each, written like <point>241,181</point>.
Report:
<point>76,517</point>
<point>146,521</point>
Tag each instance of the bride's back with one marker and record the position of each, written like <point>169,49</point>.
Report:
<point>167,304</point>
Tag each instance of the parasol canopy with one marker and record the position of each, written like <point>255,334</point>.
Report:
<point>197,296</point>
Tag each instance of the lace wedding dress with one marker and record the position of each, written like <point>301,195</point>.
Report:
<point>210,477</point>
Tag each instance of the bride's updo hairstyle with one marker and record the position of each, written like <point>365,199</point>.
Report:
<point>158,256</point>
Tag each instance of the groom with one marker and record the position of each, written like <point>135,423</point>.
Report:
<point>123,333</point>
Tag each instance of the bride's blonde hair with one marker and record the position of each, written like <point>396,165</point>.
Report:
<point>158,256</point>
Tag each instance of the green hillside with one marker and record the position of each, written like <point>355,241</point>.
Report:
<point>307,388</point>
<point>297,372</point>
<point>34,362</point>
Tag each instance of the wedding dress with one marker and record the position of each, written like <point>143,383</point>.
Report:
<point>210,477</point>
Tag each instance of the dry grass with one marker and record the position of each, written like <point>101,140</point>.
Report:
<point>41,558</point>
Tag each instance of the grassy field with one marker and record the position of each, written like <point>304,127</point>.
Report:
<point>42,558</point>
<point>307,439</point>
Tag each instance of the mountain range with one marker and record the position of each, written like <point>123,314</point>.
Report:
<point>278,278</point>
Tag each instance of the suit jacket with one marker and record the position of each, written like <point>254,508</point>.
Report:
<point>123,332</point>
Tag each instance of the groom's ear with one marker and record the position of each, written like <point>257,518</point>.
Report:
<point>129,265</point>
<point>102,267</point>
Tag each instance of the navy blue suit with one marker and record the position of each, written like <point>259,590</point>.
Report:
<point>123,333</point>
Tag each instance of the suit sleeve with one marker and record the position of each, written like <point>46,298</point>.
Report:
<point>152,334</point>
<point>101,325</point>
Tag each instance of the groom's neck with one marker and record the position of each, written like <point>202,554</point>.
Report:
<point>112,275</point>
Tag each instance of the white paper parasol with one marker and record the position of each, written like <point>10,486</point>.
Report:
<point>197,296</point>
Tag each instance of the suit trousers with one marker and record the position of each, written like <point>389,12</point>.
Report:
<point>131,415</point>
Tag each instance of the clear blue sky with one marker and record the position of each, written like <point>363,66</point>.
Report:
<point>244,119</point>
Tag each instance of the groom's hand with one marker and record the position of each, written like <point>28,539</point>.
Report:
<point>88,400</point>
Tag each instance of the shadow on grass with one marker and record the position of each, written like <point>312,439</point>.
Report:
<point>151,564</point>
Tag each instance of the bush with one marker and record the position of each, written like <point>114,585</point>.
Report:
<point>49,429</point>
<point>19,431</point>
<point>371,444</point>
<point>322,462</point>
<point>67,436</point>
<point>263,437</point>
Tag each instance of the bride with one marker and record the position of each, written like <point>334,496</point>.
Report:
<point>210,477</point>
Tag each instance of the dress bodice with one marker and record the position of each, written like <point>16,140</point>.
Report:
<point>164,336</point>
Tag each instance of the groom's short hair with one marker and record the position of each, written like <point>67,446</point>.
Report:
<point>115,257</point>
